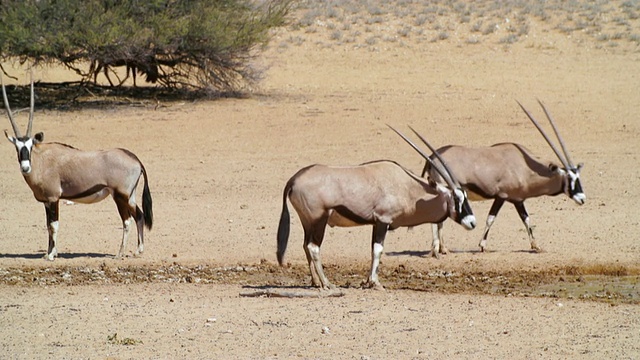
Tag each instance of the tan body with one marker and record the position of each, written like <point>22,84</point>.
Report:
<point>397,198</point>
<point>380,193</point>
<point>507,172</point>
<point>81,176</point>
<point>57,171</point>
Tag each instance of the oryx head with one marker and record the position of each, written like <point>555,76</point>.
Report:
<point>24,144</point>
<point>570,173</point>
<point>458,202</point>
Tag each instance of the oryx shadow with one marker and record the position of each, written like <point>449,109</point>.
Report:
<point>280,291</point>
<point>60,256</point>
<point>427,253</point>
<point>284,287</point>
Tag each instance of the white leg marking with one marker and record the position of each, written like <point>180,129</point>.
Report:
<point>532,240</point>
<point>376,253</point>
<point>53,235</point>
<point>126,227</point>
<point>314,251</point>
<point>483,242</point>
<point>435,244</point>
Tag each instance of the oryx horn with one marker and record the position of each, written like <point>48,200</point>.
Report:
<point>448,179</point>
<point>555,130</point>
<point>31,106</point>
<point>433,150</point>
<point>544,135</point>
<point>16,131</point>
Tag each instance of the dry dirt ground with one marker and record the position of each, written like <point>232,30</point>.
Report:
<point>217,169</point>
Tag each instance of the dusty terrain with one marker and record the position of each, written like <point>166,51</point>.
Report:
<point>217,169</point>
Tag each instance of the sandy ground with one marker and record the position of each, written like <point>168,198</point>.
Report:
<point>217,170</point>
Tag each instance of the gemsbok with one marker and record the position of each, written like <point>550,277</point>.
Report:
<point>57,171</point>
<point>133,66</point>
<point>507,172</point>
<point>381,193</point>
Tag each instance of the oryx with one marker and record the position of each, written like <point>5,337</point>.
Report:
<point>57,171</point>
<point>508,172</point>
<point>380,193</point>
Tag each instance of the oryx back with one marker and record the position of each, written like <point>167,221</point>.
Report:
<point>505,170</point>
<point>358,195</point>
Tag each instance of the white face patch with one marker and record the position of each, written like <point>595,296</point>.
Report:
<point>469,222</point>
<point>573,177</point>
<point>460,196</point>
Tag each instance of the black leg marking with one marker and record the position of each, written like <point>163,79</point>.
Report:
<point>524,216</point>
<point>493,212</point>
<point>52,212</point>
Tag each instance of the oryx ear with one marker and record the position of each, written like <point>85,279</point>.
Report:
<point>9,137</point>
<point>579,167</point>
<point>39,137</point>
<point>443,189</point>
<point>554,168</point>
<point>431,182</point>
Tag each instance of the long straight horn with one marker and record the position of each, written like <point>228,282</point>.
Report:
<point>555,130</point>
<point>31,108</point>
<point>416,148</point>
<point>544,135</point>
<point>433,150</point>
<point>16,131</point>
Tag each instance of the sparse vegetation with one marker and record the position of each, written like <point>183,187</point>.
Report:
<point>115,340</point>
<point>506,23</point>
<point>192,44</point>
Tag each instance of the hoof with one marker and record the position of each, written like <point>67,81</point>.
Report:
<point>536,248</point>
<point>375,285</point>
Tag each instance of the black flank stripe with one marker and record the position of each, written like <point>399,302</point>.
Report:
<point>345,212</point>
<point>85,193</point>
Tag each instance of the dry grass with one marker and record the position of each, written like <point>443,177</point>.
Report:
<point>600,25</point>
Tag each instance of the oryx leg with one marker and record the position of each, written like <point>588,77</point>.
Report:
<point>140,225</point>
<point>313,237</point>
<point>106,74</point>
<point>493,212</point>
<point>133,72</point>
<point>51,210</point>
<point>524,216</point>
<point>377,245</point>
<point>437,245</point>
<point>127,209</point>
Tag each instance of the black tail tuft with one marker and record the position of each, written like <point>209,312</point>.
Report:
<point>284,225</point>
<point>147,202</point>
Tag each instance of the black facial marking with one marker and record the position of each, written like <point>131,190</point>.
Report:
<point>24,154</point>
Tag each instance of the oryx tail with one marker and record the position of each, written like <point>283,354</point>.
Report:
<point>147,202</point>
<point>284,226</point>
